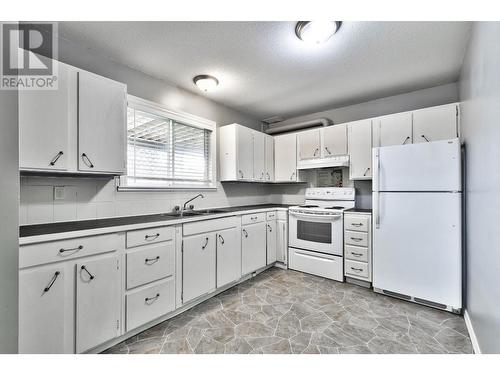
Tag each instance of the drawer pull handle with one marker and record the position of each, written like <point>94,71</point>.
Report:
<point>270,229</point>
<point>424,137</point>
<point>151,236</point>
<point>152,260</point>
<point>357,224</point>
<point>206,243</point>
<point>152,299</point>
<point>357,269</point>
<point>245,233</point>
<point>87,160</point>
<point>366,172</point>
<point>357,254</point>
<point>72,249</point>
<point>221,239</point>
<point>92,277</point>
<point>357,239</point>
<point>56,158</point>
<point>54,278</point>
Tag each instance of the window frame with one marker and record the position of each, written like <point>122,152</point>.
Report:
<point>183,118</point>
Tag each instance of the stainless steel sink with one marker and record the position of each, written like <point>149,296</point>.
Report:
<point>195,213</point>
<point>211,211</point>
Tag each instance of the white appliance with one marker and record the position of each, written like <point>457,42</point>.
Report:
<point>316,232</point>
<point>417,230</point>
<point>332,161</point>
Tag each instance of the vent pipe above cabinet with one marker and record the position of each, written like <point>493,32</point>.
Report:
<point>277,128</point>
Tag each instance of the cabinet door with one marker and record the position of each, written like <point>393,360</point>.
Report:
<point>360,150</point>
<point>253,247</point>
<point>102,106</point>
<point>285,157</point>
<point>269,154</point>
<point>436,123</point>
<point>44,117</point>
<point>259,160</point>
<point>282,241</point>
<point>42,307</point>
<point>198,266</point>
<point>228,256</point>
<point>308,143</point>
<point>245,153</point>
<point>98,299</point>
<point>271,237</point>
<point>392,130</point>
<point>334,140</point>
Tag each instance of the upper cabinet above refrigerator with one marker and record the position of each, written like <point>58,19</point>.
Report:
<point>435,123</point>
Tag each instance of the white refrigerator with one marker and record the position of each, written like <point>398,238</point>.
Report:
<point>417,223</point>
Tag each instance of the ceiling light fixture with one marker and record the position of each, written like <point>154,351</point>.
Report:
<point>316,32</point>
<point>205,82</point>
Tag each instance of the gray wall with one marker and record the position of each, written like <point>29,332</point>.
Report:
<point>9,203</point>
<point>480,96</point>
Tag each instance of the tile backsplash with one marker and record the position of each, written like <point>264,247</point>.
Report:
<point>53,199</point>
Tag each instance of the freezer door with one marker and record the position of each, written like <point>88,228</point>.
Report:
<point>417,247</point>
<point>432,166</point>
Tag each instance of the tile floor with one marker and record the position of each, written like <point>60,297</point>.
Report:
<point>291,312</point>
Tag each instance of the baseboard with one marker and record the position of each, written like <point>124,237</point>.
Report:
<point>472,334</point>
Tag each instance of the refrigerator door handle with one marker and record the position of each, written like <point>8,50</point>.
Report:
<point>376,186</point>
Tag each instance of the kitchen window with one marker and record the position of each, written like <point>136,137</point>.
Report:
<point>167,150</point>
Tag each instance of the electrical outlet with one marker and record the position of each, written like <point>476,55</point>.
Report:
<point>59,193</point>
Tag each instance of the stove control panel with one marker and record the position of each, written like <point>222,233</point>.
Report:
<point>331,193</point>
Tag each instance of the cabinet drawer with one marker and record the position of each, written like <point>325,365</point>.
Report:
<point>150,303</point>
<point>357,269</point>
<point>356,238</point>
<point>318,264</point>
<point>213,225</point>
<point>55,251</point>
<point>356,223</point>
<point>150,235</point>
<point>271,215</point>
<point>150,263</point>
<point>356,253</point>
<point>253,218</point>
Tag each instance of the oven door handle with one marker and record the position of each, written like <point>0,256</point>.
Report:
<point>315,216</point>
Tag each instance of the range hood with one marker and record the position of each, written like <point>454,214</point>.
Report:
<point>332,161</point>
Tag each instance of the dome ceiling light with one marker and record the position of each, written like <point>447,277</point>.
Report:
<point>316,32</point>
<point>205,82</point>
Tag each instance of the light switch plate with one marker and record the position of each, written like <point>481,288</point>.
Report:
<point>59,193</point>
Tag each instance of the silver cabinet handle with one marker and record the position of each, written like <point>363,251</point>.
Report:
<point>52,281</point>
<point>241,173</point>
<point>424,137</point>
<point>83,268</point>
<point>56,158</point>
<point>206,243</point>
<point>357,269</point>
<point>149,261</point>
<point>72,249</point>
<point>367,170</point>
<point>152,299</point>
<point>87,160</point>
<point>268,175</point>
<point>151,237</point>
<point>262,175</point>
<point>221,239</point>
<point>357,224</point>
<point>357,239</point>
<point>292,176</point>
<point>316,151</point>
<point>406,140</point>
<point>245,233</point>
<point>270,229</point>
<point>357,254</point>
<point>327,150</point>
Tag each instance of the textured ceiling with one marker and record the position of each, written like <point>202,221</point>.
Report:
<point>264,70</point>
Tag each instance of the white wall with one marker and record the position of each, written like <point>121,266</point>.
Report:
<point>9,240</point>
<point>480,96</point>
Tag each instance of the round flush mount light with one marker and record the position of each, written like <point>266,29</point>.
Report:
<point>205,82</point>
<point>316,32</point>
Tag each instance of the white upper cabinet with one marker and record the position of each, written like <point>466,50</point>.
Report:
<point>392,130</point>
<point>285,157</point>
<point>244,156</point>
<point>435,123</point>
<point>360,149</point>
<point>334,140</point>
<point>269,154</point>
<point>259,157</point>
<point>101,124</point>
<point>308,144</point>
<point>44,120</point>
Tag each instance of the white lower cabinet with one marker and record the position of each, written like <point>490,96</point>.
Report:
<point>282,238</point>
<point>42,308</point>
<point>228,256</point>
<point>253,247</point>
<point>198,266</point>
<point>272,237</point>
<point>97,301</point>
<point>358,246</point>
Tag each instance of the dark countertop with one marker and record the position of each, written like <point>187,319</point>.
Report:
<point>70,226</point>
<point>360,210</point>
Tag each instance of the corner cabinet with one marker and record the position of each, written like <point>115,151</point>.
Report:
<point>360,149</point>
<point>285,158</point>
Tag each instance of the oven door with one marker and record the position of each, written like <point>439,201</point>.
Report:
<point>316,232</point>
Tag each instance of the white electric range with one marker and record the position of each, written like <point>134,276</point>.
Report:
<point>316,232</point>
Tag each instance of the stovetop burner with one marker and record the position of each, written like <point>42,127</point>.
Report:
<point>308,206</point>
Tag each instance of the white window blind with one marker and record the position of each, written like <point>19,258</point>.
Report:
<point>166,153</point>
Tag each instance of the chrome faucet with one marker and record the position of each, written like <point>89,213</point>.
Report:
<point>190,200</point>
